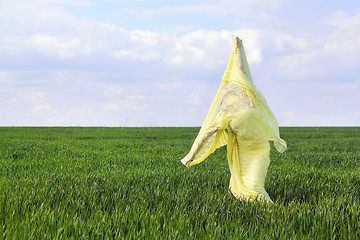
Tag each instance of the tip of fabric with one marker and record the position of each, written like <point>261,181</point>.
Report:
<point>236,39</point>
<point>280,146</point>
<point>185,162</point>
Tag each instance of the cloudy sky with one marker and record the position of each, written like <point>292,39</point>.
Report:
<point>160,63</point>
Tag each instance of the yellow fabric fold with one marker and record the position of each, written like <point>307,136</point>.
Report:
<point>240,118</point>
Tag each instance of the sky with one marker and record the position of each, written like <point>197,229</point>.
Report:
<point>159,63</point>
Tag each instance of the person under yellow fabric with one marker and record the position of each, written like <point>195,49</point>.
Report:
<point>240,118</point>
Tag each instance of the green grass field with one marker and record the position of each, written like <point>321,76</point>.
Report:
<point>80,183</point>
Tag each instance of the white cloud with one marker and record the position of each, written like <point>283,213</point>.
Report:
<point>122,54</point>
<point>35,96</point>
<point>319,103</point>
<point>168,86</point>
<point>64,49</point>
<point>79,110</point>
<point>147,37</point>
<point>320,54</point>
<point>288,118</point>
<point>42,108</point>
<point>194,98</point>
<point>80,3</point>
<point>112,106</point>
<point>288,42</point>
<point>341,20</point>
<point>11,101</point>
<point>57,34</point>
<point>58,68</point>
<point>136,97</point>
<point>223,7</point>
<point>3,76</point>
<point>113,91</point>
<point>211,49</point>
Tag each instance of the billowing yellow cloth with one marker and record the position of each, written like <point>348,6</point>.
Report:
<point>239,117</point>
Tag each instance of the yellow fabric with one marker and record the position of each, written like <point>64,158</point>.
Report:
<point>239,117</point>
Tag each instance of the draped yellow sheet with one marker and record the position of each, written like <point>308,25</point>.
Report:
<point>239,117</point>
